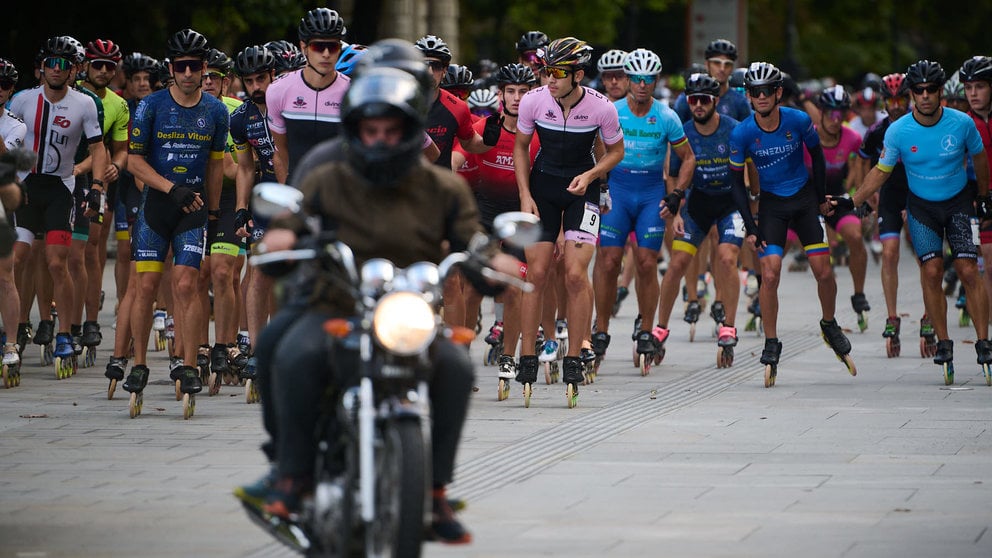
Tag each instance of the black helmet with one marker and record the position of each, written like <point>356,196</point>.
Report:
<point>433,47</point>
<point>103,49</point>
<point>694,68</point>
<point>384,92</point>
<point>721,47</point>
<point>532,40</point>
<point>834,98</point>
<point>137,62</point>
<point>254,60</point>
<point>762,73</point>
<point>487,66</point>
<point>395,53</point>
<point>186,43</point>
<point>287,56</point>
<point>736,79</point>
<point>217,59</point>
<point>80,51</point>
<point>8,70</point>
<point>567,51</point>
<point>323,23</point>
<point>925,71</point>
<point>515,74</point>
<point>976,68</point>
<point>702,84</point>
<point>457,77</point>
<point>62,46</point>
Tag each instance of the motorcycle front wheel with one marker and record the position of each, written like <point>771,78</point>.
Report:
<point>400,491</point>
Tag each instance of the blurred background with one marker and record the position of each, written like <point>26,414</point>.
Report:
<point>842,39</point>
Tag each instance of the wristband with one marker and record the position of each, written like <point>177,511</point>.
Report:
<point>213,213</point>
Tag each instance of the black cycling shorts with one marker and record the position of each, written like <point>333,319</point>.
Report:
<point>577,216</point>
<point>799,212</point>
<point>931,222</point>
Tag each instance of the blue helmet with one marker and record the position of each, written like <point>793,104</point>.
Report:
<point>349,56</point>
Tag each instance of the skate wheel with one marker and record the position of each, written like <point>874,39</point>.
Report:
<point>849,363</point>
<point>179,392</point>
<point>15,375</point>
<point>987,371</point>
<point>502,390</point>
<point>59,369</point>
<point>214,384</point>
<point>90,358</point>
<point>547,372</point>
<point>771,371</point>
<point>863,321</point>
<point>135,403</point>
<point>251,392</point>
<point>571,396</point>
<point>645,364</point>
<point>964,320</point>
<point>47,355</point>
<point>8,382</point>
<point>111,389</point>
<point>189,405</point>
<point>692,332</point>
<point>528,390</point>
<point>892,347</point>
<point>948,369</point>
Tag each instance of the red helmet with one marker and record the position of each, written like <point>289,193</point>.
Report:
<point>892,85</point>
<point>103,49</point>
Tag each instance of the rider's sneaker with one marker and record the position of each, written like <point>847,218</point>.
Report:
<point>549,352</point>
<point>507,368</point>
<point>254,494</point>
<point>158,319</point>
<point>445,527</point>
<point>495,334</point>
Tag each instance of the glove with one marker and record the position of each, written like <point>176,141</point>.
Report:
<point>182,195</point>
<point>241,218</point>
<point>674,200</point>
<point>494,126</point>
<point>843,202</point>
<point>93,200</point>
<point>983,206</point>
<point>605,201</point>
<point>864,210</point>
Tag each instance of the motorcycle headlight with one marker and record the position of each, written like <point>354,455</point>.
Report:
<point>403,323</point>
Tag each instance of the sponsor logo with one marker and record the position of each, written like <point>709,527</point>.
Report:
<point>193,248</point>
<point>652,120</point>
<point>180,170</point>
<point>550,115</point>
<point>201,123</point>
<point>300,102</point>
<point>581,117</point>
<point>948,143</point>
<point>136,131</point>
<point>914,149</point>
<point>788,135</point>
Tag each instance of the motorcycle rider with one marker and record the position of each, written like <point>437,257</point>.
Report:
<point>384,201</point>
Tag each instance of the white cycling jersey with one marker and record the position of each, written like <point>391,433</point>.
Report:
<point>12,129</point>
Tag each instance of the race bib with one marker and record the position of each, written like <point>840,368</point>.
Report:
<point>590,219</point>
<point>738,224</point>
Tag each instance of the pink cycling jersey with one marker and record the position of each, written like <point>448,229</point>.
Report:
<point>307,116</point>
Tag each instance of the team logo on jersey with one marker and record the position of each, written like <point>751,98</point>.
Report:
<point>652,121</point>
<point>721,148</point>
<point>581,117</point>
<point>200,122</point>
<point>550,115</point>
<point>948,143</point>
<point>300,102</point>
<point>136,131</point>
<point>914,149</point>
<point>788,135</point>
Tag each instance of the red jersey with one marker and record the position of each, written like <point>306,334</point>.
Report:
<point>447,119</point>
<point>491,174</point>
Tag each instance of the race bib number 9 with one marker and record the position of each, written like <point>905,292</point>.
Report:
<point>590,219</point>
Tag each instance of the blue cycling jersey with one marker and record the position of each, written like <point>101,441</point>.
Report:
<point>178,141</point>
<point>934,156</point>
<point>250,130</point>
<point>777,155</point>
<point>732,104</point>
<point>712,174</point>
<point>646,139</point>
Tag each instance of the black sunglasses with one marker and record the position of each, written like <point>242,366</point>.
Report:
<point>101,65</point>
<point>759,90</point>
<point>321,46</point>
<point>436,65</point>
<point>931,89</point>
<point>180,66</point>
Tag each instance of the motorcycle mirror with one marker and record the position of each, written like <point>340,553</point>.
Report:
<point>517,228</point>
<point>271,198</point>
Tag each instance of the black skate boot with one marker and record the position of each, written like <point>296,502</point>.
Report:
<point>769,357</point>
<point>572,377</point>
<point>46,332</point>
<point>507,370</point>
<point>718,313</point>
<point>944,357</point>
<point>837,341</point>
<point>115,368</point>
<point>189,385</point>
<point>600,342</point>
<point>984,349</point>
<point>24,335</point>
<point>861,308</point>
<point>527,375</point>
<point>692,312</point>
<point>76,331</point>
<point>135,385</point>
<point>91,334</point>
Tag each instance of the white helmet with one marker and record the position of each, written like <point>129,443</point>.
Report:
<point>611,60</point>
<point>483,98</point>
<point>642,62</point>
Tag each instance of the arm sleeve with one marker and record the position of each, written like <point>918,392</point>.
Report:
<point>739,191</point>
<point>819,172</point>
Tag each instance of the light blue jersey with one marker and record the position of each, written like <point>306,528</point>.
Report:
<point>645,143</point>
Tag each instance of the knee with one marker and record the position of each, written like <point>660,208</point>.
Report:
<point>770,277</point>
<point>221,273</point>
<point>609,262</point>
<point>186,285</point>
<point>575,280</point>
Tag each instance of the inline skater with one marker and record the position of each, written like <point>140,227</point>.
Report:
<point>721,57</point>
<point>773,138</point>
<point>562,188</point>
<point>932,144</point>
<point>637,191</point>
<point>709,203</point>
<point>12,134</point>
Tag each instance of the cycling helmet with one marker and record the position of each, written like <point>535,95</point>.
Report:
<point>395,53</point>
<point>834,98</point>
<point>137,62</point>
<point>892,85</point>
<point>186,43</point>
<point>702,84</point>
<point>873,81</point>
<point>736,79</point>
<point>217,59</point>
<point>515,74</point>
<point>487,66</point>
<point>532,40</point>
<point>280,46</point>
<point>762,73</point>
<point>61,47</point>
<point>457,77</point>
<point>925,71</point>
<point>567,51</point>
<point>694,68</point>
<point>349,55</point>
<point>433,47</point>
<point>611,60</point>
<point>483,99</point>
<point>383,92</point>
<point>7,69</point>
<point>103,49</point>
<point>287,56</point>
<point>976,68</point>
<point>953,88</point>
<point>321,23</point>
<point>642,62</point>
<point>254,60</point>
<point>80,51</point>
<point>721,47</point>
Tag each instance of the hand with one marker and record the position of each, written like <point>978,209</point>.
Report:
<point>756,243</point>
<point>678,226</point>
<point>579,184</point>
<point>528,205</point>
<point>111,174</point>
<point>983,207</point>
<point>94,198</point>
<point>493,129</point>
<point>243,222</point>
<point>838,202</point>
<point>864,210</point>
<point>186,198</point>
<point>670,203</point>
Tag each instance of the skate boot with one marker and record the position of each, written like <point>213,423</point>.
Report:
<point>891,335</point>
<point>835,338</point>
<point>561,334</point>
<point>527,375</point>
<point>964,319</point>
<point>950,281</point>
<point>495,341</point>
<point>754,322</point>
<point>622,293</point>
<point>718,312</point>
<point>158,329</point>
<point>236,362</point>
<point>692,312</point>
<point>800,262</point>
<point>243,343</point>
<point>115,373</point>
<point>945,358</point>
<point>984,349</point>
<point>638,321</point>
<point>176,373</point>
<point>190,385</point>
<point>599,343</point>
<point>203,362</point>
<point>549,351</point>
<point>861,308</point>
<point>645,348</point>
<point>572,377</point>
<point>660,336</point>
<point>769,357</point>
<point>219,367</point>
<point>44,337</point>
<point>507,371</point>
<point>158,319</point>
<point>751,284</point>
<point>928,338</point>
<point>726,341</point>
<point>90,340</point>
<point>65,356</point>
<point>10,372</point>
<point>25,333</point>
<point>135,385</point>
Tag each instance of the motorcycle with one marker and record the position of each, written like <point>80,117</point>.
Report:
<point>372,485</point>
